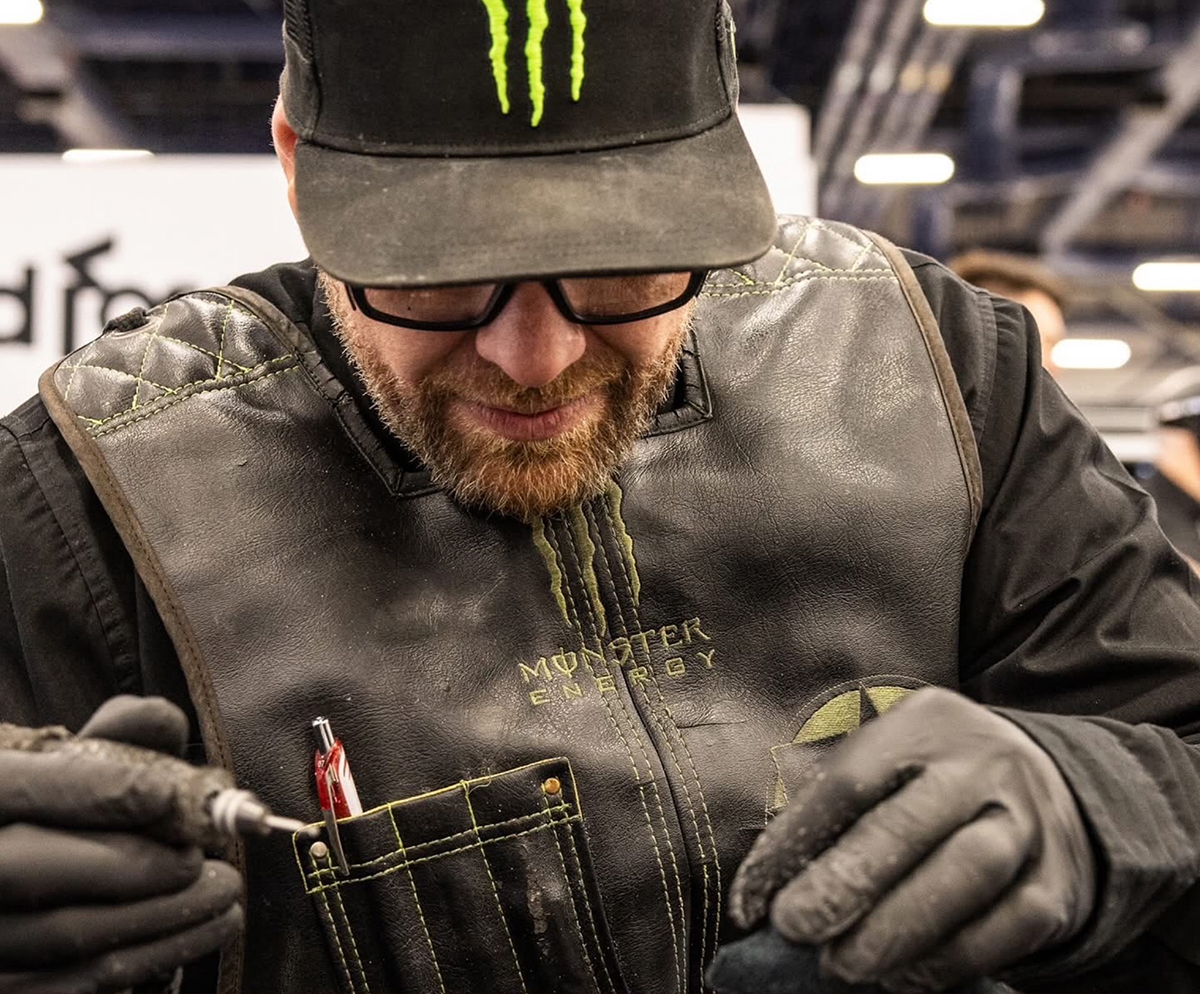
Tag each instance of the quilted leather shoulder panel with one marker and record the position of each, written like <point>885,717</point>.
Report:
<point>805,249</point>
<point>191,344</point>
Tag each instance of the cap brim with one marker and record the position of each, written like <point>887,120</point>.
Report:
<point>687,204</point>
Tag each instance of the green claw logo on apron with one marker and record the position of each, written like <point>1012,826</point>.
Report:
<point>539,21</point>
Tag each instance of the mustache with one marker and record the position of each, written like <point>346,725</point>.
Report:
<point>486,384</point>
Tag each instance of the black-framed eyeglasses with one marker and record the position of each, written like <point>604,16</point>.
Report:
<point>592,300</point>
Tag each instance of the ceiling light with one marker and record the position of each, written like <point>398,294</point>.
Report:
<point>1092,353</point>
<point>1168,277</point>
<point>985,13</point>
<point>21,11</point>
<point>86,156</point>
<point>919,168</point>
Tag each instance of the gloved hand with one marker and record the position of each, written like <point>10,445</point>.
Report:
<point>937,843</point>
<point>87,901</point>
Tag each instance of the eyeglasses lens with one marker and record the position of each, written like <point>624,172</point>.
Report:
<point>602,298</point>
<point>614,296</point>
<point>449,305</point>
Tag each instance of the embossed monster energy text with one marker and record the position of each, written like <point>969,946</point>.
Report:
<point>672,651</point>
<point>539,21</point>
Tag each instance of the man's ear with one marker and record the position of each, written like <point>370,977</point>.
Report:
<point>285,147</point>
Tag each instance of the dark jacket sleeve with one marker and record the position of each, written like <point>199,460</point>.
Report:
<point>76,626</point>
<point>1074,604</point>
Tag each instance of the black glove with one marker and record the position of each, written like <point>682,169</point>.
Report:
<point>937,843</point>
<point>87,900</point>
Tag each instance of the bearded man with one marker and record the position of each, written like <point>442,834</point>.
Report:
<point>666,569</point>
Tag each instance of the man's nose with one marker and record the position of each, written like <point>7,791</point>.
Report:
<point>530,340</point>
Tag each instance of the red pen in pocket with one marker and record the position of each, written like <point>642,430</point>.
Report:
<point>335,785</point>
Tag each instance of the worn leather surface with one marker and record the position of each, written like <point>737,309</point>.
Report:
<point>777,562</point>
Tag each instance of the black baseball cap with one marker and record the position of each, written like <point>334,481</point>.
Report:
<point>470,140</point>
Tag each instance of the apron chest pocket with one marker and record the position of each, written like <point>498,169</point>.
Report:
<point>482,886</point>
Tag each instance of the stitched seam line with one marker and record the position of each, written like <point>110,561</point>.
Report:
<point>137,387</point>
<point>712,838</point>
<point>179,400</point>
<point>662,727</point>
<point>432,843</point>
<point>603,558</point>
<point>825,272</point>
<point>495,890</point>
<point>437,968</point>
<point>822,226</point>
<point>221,340</point>
<point>234,381</point>
<point>570,897</point>
<point>128,376</point>
<point>71,381</point>
<point>337,939</point>
<point>670,730</point>
<point>203,351</point>
<point>552,537</point>
<point>587,906</point>
<point>319,888</point>
<point>356,960</point>
<point>792,254</point>
<point>813,277</point>
<point>677,931</point>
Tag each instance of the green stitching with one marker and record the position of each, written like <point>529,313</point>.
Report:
<point>824,273</point>
<point>556,577</point>
<point>337,939</point>
<point>221,341</point>
<point>195,393</point>
<point>577,526</point>
<point>498,23</point>
<point>814,276</point>
<point>820,226</point>
<point>120,372</point>
<point>429,859</point>
<point>570,898</point>
<point>578,62</point>
<point>792,254</point>
<point>613,498</point>
<point>137,387</point>
<point>668,727</point>
<point>587,906</point>
<point>637,777</point>
<point>605,560</point>
<point>677,931</point>
<point>357,959</point>
<point>203,351</point>
<point>434,843</point>
<point>495,890</point>
<point>437,968</point>
<point>539,20</point>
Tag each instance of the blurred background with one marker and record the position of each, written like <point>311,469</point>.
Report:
<point>1066,131</point>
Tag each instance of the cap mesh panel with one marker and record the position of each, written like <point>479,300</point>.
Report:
<point>298,26</point>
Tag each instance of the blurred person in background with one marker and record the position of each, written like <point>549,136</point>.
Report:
<point>1027,281</point>
<point>1175,481</point>
<point>668,569</point>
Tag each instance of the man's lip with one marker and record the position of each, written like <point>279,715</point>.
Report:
<point>520,427</point>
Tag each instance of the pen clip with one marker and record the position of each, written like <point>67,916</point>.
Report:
<point>331,825</point>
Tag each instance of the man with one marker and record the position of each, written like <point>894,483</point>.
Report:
<point>596,565</point>
<point>1028,282</point>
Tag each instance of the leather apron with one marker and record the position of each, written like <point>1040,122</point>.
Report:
<point>565,736</point>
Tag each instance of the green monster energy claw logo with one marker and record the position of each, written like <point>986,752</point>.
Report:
<point>539,21</point>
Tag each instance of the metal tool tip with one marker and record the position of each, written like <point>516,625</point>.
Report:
<point>280,824</point>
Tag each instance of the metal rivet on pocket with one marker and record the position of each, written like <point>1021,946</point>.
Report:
<point>318,850</point>
<point>552,786</point>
